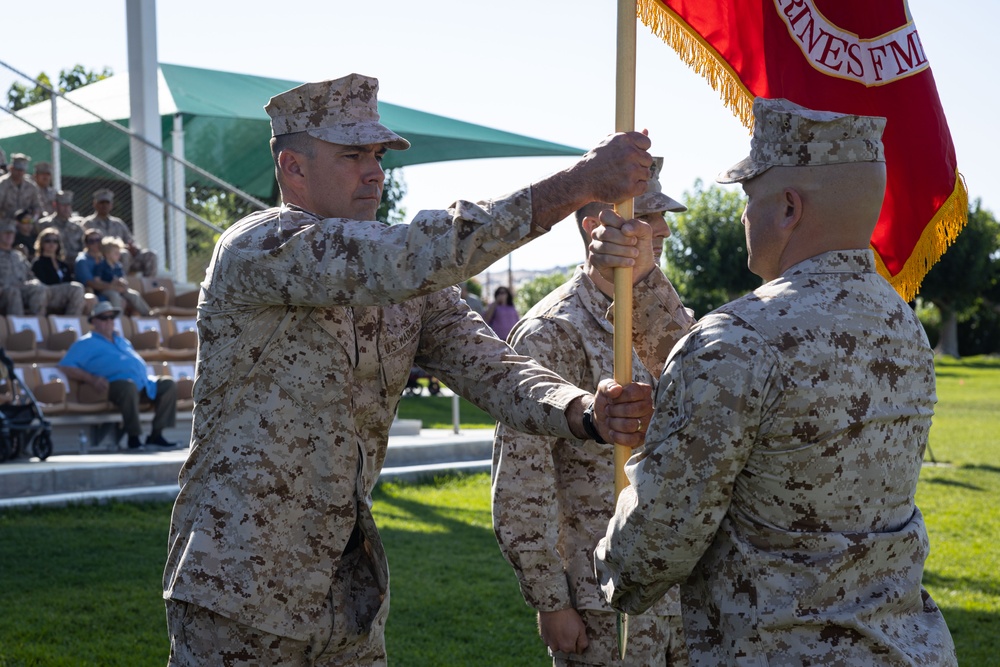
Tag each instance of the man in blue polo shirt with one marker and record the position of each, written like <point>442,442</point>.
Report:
<point>107,361</point>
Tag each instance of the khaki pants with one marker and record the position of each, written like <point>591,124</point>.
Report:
<point>130,297</point>
<point>66,298</point>
<point>125,395</point>
<point>27,298</point>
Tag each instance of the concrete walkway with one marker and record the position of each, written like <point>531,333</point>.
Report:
<point>98,476</point>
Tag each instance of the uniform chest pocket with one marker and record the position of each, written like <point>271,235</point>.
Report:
<point>312,360</point>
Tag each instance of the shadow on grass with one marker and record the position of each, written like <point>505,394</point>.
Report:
<point>980,585</point>
<point>978,466</point>
<point>455,600</point>
<point>950,482</point>
<point>977,641</point>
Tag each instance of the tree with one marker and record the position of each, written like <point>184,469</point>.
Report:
<point>966,276</point>
<point>392,193</point>
<point>706,252</point>
<point>21,95</point>
<point>536,289</point>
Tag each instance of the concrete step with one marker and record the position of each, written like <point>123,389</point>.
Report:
<point>146,475</point>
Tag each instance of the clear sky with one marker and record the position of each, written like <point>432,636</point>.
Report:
<point>536,67</point>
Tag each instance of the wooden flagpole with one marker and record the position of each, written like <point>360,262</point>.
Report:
<point>624,122</point>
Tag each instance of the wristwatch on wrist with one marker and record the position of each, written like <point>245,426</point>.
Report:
<point>590,427</point>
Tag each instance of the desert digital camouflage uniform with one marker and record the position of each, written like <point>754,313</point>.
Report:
<point>308,329</point>
<point>777,481</point>
<point>19,286</point>
<point>145,262</point>
<point>553,497</point>
<point>47,197</point>
<point>70,234</point>
<point>15,196</point>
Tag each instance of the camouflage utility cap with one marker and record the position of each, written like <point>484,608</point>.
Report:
<point>43,168</point>
<point>341,111</point>
<point>788,135</point>
<point>19,161</point>
<point>653,200</point>
<point>8,225</point>
<point>64,197</point>
<point>104,195</point>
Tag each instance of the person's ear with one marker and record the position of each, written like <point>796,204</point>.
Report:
<point>793,209</point>
<point>590,223</point>
<point>291,164</point>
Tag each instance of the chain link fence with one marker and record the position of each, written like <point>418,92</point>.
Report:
<point>88,154</point>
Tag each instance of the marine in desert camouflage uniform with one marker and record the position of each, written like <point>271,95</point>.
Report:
<point>42,178</point>
<point>136,260</point>
<point>68,224</point>
<point>17,191</point>
<point>553,497</point>
<point>309,321</point>
<point>778,477</point>
<point>20,292</point>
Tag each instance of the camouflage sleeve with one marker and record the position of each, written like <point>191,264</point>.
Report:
<point>659,320</point>
<point>710,405</point>
<point>525,504</point>
<point>121,230</point>
<point>305,261</point>
<point>457,347</point>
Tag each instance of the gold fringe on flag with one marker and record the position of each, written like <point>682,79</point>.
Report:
<point>939,233</point>
<point>699,55</point>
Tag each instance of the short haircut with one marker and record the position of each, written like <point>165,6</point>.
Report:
<point>591,210</point>
<point>300,142</point>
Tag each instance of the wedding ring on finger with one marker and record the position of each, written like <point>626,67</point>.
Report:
<point>638,425</point>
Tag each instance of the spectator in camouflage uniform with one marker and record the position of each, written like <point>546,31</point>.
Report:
<point>310,318</point>
<point>68,224</point>
<point>42,179</point>
<point>553,497</point>
<point>777,481</point>
<point>17,192</point>
<point>136,260</point>
<point>21,292</point>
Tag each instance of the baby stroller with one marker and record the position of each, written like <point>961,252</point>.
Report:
<point>23,427</point>
<point>413,386</point>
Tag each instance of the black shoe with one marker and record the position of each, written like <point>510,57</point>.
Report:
<point>159,441</point>
<point>134,442</point>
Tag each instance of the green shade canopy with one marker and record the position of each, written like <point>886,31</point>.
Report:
<point>226,130</point>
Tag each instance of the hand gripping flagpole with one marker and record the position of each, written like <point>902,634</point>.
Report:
<point>624,122</point>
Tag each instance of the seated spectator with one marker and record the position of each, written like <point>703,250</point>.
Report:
<point>68,224</point>
<point>136,260</point>
<point>20,292</point>
<point>90,269</point>
<point>66,296</point>
<point>112,272</point>
<point>25,233</point>
<point>106,361</point>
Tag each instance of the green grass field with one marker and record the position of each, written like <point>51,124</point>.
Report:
<point>81,586</point>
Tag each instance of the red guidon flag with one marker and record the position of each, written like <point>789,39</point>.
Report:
<point>851,56</point>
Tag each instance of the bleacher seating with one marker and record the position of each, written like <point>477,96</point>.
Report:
<point>36,344</point>
<point>30,338</point>
<point>161,295</point>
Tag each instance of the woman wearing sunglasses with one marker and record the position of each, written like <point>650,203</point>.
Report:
<point>66,296</point>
